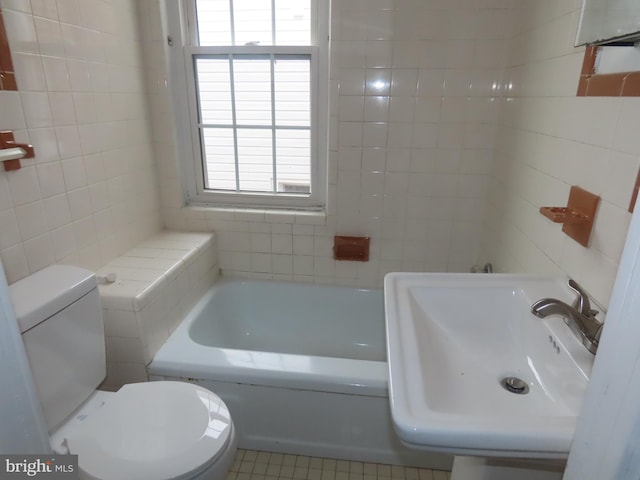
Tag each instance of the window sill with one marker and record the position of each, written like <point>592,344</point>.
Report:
<point>249,214</point>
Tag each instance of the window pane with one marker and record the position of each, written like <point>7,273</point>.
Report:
<point>252,83</point>
<point>214,22</point>
<point>293,160</point>
<point>219,158</point>
<point>292,92</point>
<point>255,160</point>
<point>293,22</point>
<point>252,22</point>
<point>255,126</point>
<point>214,91</point>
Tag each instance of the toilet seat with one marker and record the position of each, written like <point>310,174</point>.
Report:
<point>155,430</point>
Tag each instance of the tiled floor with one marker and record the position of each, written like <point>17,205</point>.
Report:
<point>254,465</point>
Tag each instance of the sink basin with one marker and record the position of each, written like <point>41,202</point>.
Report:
<point>452,339</point>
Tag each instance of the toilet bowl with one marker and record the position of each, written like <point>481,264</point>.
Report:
<point>146,431</point>
<point>155,430</point>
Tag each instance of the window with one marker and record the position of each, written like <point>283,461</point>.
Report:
<point>255,80</point>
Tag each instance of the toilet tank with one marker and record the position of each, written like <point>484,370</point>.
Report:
<point>59,314</point>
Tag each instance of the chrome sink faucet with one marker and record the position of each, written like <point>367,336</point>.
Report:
<point>580,318</point>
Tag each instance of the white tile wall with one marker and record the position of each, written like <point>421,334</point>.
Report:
<point>90,193</point>
<point>158,281</point>
<point>413,115</point>
<point>422,94</point>
<point>548,140</point>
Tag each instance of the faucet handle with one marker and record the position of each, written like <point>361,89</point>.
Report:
<point>581,303</point>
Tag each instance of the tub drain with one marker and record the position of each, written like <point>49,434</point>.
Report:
<point>515,385</point>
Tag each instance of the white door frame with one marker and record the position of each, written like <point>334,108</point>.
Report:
<point>607,439</point>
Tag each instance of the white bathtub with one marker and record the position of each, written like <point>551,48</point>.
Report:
<point>301,367</point>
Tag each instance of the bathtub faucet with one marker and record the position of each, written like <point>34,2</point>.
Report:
<point>580,318</point>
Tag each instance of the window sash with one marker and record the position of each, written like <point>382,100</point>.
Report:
<point>239,128</point>
<point>230,24</point>
<point>239,194</point>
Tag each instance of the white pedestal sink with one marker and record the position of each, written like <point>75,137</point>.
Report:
<point>452,339</point>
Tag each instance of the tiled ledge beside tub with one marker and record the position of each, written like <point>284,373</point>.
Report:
<point>157,283</point>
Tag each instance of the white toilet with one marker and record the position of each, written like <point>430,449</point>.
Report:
<point>145,431</point>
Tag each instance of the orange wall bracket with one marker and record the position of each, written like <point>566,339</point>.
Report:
<point>7,141</point>
<point>351,248</point>
<point>578,217</point>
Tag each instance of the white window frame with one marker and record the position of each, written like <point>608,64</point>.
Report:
<point>178,15</point>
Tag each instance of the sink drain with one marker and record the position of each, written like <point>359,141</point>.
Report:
<point>515,385</point>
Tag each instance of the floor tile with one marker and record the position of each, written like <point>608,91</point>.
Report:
<point>258,465</point>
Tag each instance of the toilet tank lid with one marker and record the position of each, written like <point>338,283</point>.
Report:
<point>44,293</point>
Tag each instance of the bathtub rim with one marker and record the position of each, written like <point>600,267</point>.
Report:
<point>302,372</point>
